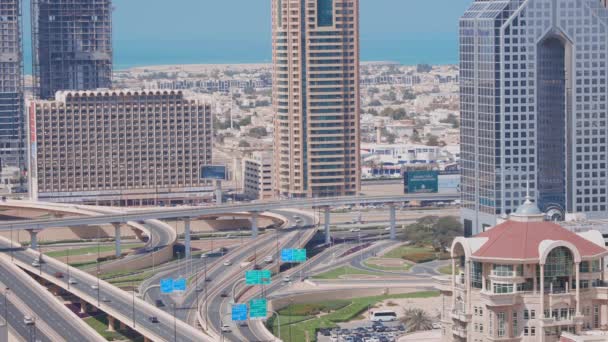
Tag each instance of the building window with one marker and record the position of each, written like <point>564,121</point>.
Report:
<point>476,275</point>
<point>596,316</point>
<point>501,324</point>
<point>503,288</point>
<point>502,270</point>
<point>325,12</point>
<point>515,327</point>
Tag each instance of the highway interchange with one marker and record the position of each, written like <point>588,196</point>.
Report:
<point>206,304</point>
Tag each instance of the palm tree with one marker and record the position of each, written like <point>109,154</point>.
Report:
<point>417,320</point>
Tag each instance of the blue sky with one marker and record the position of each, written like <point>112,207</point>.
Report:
<point>239,30</point>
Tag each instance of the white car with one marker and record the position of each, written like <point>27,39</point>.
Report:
<point>72,281</point>
<point>27,320</point>
<point>94,287</point>
<point>35,263</point>
<point>286,279</point>
<point>226,328</point>
<point>227,263</point>
<point>436,325</point>
<point>269,259</point>
<point>355,230</point>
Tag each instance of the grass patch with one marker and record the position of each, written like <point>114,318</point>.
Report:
<point>298,328</point>
<point>135,278</point>
<point>339,272</point>
<point>413,253</point>
<point>402,268</point>
<point>445,270</point>
<point>100,324</point>
<point>90,250</point>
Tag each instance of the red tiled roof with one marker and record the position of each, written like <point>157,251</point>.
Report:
<point>520,240</point>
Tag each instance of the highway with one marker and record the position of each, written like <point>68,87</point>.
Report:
<point>120,303</point>
<point>167,213</point>
<point>218,307</point>
<point>60,324</point>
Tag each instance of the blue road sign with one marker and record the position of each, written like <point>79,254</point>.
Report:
<point>239,312</point>
<point>179,284</point>
<point>166,285</point>
<point>293,255</point>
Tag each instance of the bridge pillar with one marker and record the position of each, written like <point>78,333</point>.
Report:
<point>327,222</point>
<point>83,307</point>
<point>33,238</point>
<point>111,324</point>
<point>392,209</point>
<point>254,224</point>
<point>187,241</point>
<point>117,238</point>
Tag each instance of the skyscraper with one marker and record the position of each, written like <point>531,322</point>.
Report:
<point>534,104</point>
<point>72,45</point>
<point>11,85</point>
<point>316,97</point>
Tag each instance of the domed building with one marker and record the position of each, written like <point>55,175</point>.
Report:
<point>527,279</point>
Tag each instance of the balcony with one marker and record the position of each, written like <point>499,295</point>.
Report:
<point>461,316</point>
<point>460,332</point>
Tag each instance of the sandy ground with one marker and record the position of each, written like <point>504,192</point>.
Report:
<point>431,305</point>
<point>425,336</point>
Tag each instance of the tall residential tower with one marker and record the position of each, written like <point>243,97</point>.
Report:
<point>72,42</point>
<point>316,97</point>
<point>12,142</point>
<point>534,108</point>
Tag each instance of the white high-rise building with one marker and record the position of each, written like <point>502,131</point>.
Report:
<point>534,105</point>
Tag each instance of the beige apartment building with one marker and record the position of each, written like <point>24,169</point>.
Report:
<point>119,147</point>
<point>316,97</point>
<point>527,280</point>
<point>257,176</point>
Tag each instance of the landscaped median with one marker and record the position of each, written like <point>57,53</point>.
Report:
<point>300,322</point>
<point>346,272</point>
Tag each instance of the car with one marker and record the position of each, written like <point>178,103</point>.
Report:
<point>227,263</point>
<point>153,319</point>
<point>226,328</point>
<point>224,295</point>
<point>355,230</point>
<point>58,275</point>
<point>35,263</point>
<point>72,281</point>
<point>204,256</point>
<point>159,303</point>
<point>436,325</point>
<point>257,267</point>
<point>287,279</point>
<point>105,299</point>
<point>269,259</point>
<point>28,320</point>
<point>95,287</point>
<point>387,228</point>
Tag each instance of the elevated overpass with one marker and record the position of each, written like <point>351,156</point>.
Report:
<point>187,213</point>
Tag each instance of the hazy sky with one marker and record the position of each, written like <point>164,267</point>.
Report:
<point>249,19</point>
<point>223,29</point>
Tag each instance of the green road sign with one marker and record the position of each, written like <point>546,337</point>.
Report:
<point>258,308</point>
<point>299,255</point>
<point>258,277</point>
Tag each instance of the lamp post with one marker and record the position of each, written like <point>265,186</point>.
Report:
<point>6,291</point>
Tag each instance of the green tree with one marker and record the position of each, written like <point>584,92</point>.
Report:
<point>246,121</point>
<point>432,140</point>
<point>258,132</point>
<point>244,144</point>
<point>417,320</point>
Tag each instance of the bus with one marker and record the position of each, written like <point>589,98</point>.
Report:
<point>383,316</point>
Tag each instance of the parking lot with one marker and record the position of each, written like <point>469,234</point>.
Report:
<point>363,332</point>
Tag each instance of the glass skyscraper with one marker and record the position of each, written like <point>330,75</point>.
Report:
<point>533,106</point>
<point>12,143</point>
<point>316,97</point>
<point>72,45</point>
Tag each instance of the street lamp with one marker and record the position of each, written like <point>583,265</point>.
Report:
<point>6,291</point>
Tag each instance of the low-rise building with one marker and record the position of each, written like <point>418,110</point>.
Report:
<point>257,176</point>
<point>527,280</point>
<point>119,147</point>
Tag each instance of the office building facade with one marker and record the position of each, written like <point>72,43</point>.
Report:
<point>257,176</point>
<point>124,147</point>
<point>72,44</point>
<point>533,108</point>
<point>12,118</point>
<point>316,97</point>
